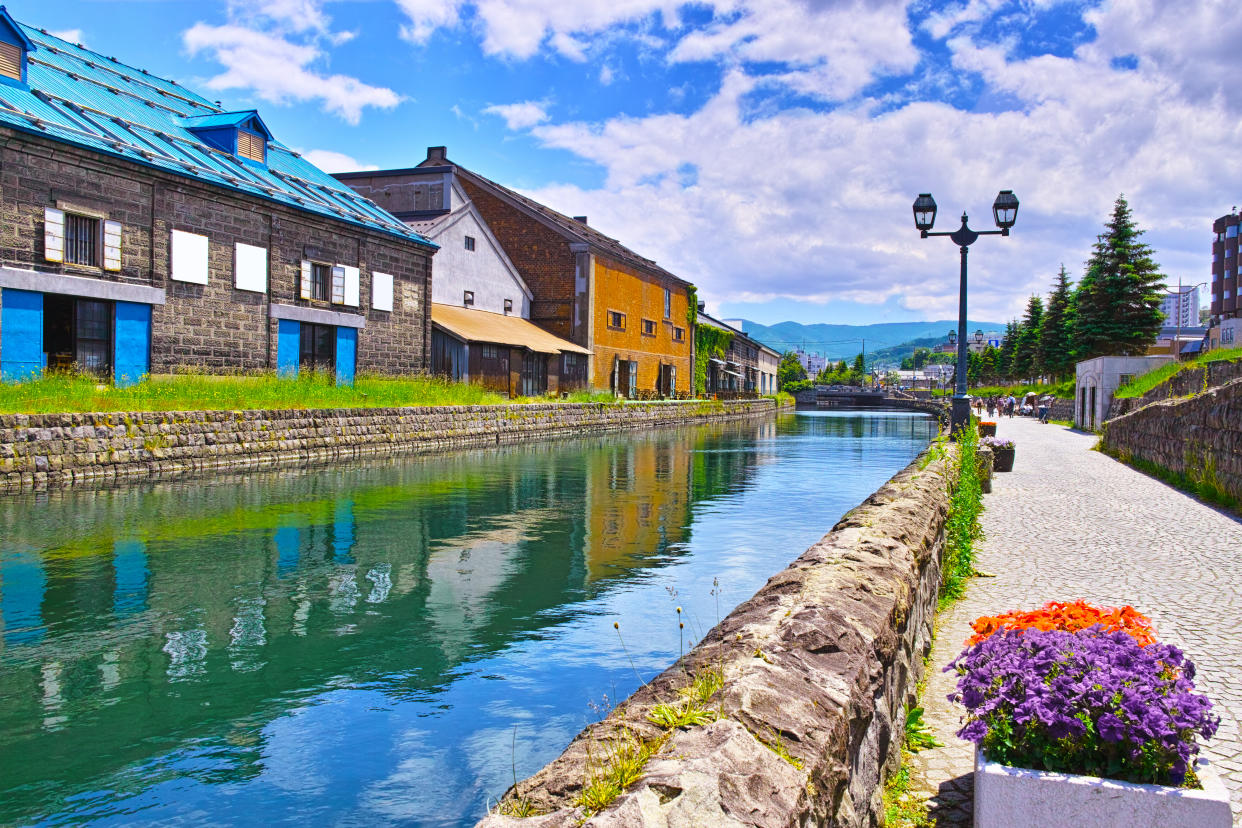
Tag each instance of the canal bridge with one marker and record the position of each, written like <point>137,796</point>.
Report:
<point>852,397</point>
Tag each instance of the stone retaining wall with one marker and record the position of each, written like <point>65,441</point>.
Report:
<point>821,663</point>
<point>1199,437</point>
<point>1188,382</point>
<point>54,450</point>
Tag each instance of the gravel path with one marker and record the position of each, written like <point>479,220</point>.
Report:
<point>1071,523</point>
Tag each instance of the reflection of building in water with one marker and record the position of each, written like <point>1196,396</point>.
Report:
<point>169,612</point>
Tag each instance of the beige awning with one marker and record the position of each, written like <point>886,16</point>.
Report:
<point>484,326</point>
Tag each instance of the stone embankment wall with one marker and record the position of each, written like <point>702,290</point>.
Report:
<point>1188,382</point>
<point>54,450</point>
<point>1199,437</point>
<point>821,664</point>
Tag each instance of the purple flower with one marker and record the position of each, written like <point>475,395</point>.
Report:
<point>1087,702</point>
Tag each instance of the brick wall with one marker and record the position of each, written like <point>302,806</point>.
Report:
<point>42,450</point>
<point>624,289</point>
<point>540,254</point>
<point>212,326</point>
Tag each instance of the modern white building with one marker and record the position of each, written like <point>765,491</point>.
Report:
<point>1181,308</point>
<point>1097,379</point>
<point>813,363</point>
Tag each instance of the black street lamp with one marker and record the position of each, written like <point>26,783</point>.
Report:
<point>979,337</point>
<point>1005,213</point>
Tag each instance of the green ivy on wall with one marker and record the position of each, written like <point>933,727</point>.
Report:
<point>709,342</point>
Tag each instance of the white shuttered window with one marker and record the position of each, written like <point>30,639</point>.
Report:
<point>53,234</point>
<point>338,285</point>
<point>352,288</point>
<point>189,257</point>
<point>112,247</point>
<point>381,291</point>
<point>306,279</point>
<point>250,267</point>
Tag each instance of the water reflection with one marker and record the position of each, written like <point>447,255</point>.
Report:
<point>306,646</point>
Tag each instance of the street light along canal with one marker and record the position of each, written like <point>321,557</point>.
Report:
<point>358,643</point>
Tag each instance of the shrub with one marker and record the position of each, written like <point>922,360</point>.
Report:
<point>1089,702</point>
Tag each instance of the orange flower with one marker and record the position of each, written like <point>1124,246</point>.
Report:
<point>1068,616</point>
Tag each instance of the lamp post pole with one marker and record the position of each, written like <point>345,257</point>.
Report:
<point>1005,212</point>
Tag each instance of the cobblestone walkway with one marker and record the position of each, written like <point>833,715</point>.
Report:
<point>1070,523</point>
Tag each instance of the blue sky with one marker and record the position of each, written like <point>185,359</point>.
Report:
<point>767,150</point>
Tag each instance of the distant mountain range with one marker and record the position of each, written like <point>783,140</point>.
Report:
<point>845,341</point>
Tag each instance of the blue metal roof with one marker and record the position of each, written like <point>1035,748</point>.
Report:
<point>84,98</point>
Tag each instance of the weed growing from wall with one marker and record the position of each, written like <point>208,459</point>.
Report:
<point>962,529</point>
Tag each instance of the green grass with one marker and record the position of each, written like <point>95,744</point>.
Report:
<point>610,773</point>
<point>1061,390</point>
<point>59,392</point>
<point>691,709</point>
<point>962,527</point>
<point>901,808</point>
<point>1166,372</point>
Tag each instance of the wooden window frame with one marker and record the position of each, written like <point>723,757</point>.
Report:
<point>14,56</point>
<point>470,243</point>
<point>616,320</point>
<point>668,304</point>
<point>679,334</point>
<point>89,245</point>
<point>649,327</point>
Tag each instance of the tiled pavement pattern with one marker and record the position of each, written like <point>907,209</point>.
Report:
<point>1070,523</point>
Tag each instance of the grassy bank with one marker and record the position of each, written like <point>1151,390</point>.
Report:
<point>1142,384</point>
<point>55,393</point>
<point>1060,390</point>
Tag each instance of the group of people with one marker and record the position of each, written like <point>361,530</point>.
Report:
<point>1009,406</point>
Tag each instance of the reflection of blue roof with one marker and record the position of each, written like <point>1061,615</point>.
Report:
<point>83,98</point>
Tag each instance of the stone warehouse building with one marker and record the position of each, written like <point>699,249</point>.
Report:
<point>585,287</point>
<point>480,305</point>
<point>147,230</point>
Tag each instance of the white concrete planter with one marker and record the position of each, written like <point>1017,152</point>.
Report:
<point>1008,797</point>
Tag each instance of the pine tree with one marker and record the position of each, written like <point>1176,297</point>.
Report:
<point>1026,348</point>
<point>988,362</point>
<point>1118,299</point>
<point>1055,345</point>
<point>1004,356</point>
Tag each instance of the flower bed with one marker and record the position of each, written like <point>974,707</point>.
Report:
<point>1074,688</point>
<point>996,443</point>
<point>987,428</point>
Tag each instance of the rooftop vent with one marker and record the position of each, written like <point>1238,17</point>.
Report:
<point>437,155</point>
<point>580,219</point>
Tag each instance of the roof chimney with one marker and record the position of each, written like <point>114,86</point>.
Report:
<point>580,219</point>
<point>437,154</point>
<point>702,306</point>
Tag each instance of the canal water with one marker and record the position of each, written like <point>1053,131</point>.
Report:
<point>385,642</point>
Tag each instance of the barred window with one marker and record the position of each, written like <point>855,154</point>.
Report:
<point>321,280</point>
<point>81,240</point>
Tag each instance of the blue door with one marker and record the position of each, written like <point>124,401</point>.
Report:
<point>133,343</point>
<point>288,347</point>
<point>21,335</point>
<point>346,355</point>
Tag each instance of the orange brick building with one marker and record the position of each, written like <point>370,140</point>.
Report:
<point>590,289</point>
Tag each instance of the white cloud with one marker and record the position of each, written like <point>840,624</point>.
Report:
<point>520,115</point>
<point>71,35</point>
<point>280,71</point>
<point>815,206</point>
<point>334,162</point>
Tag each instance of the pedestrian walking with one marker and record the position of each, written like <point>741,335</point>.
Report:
<point>992,406</point>
<point>1043,409</point>
<point>1010,405</point>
